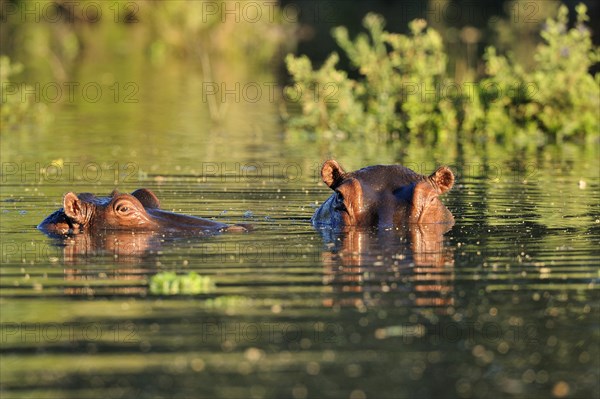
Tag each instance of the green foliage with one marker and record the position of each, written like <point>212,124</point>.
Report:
<point>404,89</point>
<point>16,108</point>
<point>559,96</point>
<point>396,69</point>
<point>330,101</point>
<point>169,283</point>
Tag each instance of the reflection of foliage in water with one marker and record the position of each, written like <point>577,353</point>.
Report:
<point>55,36</point>
<point>405,88</point>
<point>141,52</point>
<point>13,110</point>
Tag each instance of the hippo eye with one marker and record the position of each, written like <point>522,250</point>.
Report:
<point>339,202</point>
<point>123,209</point>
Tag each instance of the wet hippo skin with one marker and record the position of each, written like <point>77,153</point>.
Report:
<point>138,211</point>
<point>383,196</point>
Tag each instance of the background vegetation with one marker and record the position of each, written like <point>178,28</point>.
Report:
<point>59,41</point>
<point>523,73</point>
<point>403,87</point>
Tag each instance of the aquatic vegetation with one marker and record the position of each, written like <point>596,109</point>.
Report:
<point>404,90</point>
<point>389,98</point>
<point>558,96</point>
<point>170,283</point>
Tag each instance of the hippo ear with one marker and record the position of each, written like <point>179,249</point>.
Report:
<point>443,179</point>
<point>146,197</point>
<point>332,173</point>
<point>74,208</point>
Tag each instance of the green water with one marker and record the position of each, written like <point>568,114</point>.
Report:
<point>504,304</point>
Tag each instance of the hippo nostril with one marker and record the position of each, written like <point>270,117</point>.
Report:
<point>384,222</point>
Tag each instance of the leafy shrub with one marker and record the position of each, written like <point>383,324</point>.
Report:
<point>559,96</point>
<point>390,98</point>
<point>404,88</point>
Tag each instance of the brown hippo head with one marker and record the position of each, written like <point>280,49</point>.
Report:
<point>383,196</point>
<point>138,211</point>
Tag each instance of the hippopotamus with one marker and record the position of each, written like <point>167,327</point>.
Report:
<point>138,211</point>
<point>383,196</point>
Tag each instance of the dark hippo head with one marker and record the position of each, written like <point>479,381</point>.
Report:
<point>138,211</point>
<point>383,196</point>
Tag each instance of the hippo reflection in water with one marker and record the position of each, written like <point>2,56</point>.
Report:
<point>138,211</point>
<point>383,196</point>
<point>413,263</point>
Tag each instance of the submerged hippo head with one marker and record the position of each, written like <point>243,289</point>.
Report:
<point>138,211</point>
<point>383,196</point>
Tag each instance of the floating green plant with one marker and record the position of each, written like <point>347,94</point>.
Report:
<point>170,283</point>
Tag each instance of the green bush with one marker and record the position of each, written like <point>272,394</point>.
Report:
<point>389,98</point>
<point>404,90</point>
<point>559,96</point>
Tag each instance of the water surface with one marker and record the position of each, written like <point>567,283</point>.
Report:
<point>504,303</point>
